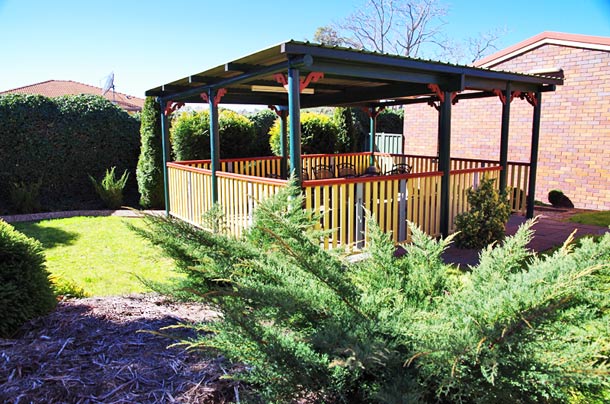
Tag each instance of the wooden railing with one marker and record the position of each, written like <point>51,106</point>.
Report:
<point>190,196</point>
<point>391,200</point>
<point>342,202</point>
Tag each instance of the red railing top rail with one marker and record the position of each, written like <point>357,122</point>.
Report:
<point>369,178</point>
<point>223,174</point>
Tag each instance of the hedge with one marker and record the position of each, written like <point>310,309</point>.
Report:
<point>150,163</point>
<point>190,135</point>
<point>60,141</point>
<point>319,134</point>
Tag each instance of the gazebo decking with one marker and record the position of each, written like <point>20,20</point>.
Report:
<point>294,74</point>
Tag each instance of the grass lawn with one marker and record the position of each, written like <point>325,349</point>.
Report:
<point>99,254</point>
<point>595,218</point>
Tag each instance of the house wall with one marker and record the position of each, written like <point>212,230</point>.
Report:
<point>574,153</point>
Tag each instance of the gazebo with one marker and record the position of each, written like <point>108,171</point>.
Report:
<point>295,75</point>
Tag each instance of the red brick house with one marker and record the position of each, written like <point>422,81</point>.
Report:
<point>574,153</point>
<point>56,88</point>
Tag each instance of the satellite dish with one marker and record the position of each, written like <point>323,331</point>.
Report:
<point>109,84</point>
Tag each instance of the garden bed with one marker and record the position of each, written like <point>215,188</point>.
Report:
<point>107,349</point>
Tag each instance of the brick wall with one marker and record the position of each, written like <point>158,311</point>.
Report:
<point>574,153</point>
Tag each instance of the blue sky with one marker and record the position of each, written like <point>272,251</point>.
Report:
<point>148,43</point>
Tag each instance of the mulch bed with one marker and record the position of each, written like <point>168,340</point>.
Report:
<point>98,350</point>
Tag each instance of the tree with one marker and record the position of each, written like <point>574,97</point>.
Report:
<point>397,26</point>
<point>150,164</point>
<point>328,35</point>
<point>412,28</point>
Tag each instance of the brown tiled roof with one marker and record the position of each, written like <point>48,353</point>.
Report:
<point>557,38</point>
<point>56,88</point>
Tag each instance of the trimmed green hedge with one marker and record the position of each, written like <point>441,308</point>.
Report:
<point>61,141</point>
<point>190,135</point>
<point>25,288</point>
<point>319,134</point>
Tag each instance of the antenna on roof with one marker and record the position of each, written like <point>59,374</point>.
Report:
<point>109,84</point>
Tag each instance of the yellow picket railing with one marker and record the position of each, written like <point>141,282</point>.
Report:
<point>190,195</point>
<point>391,200</point>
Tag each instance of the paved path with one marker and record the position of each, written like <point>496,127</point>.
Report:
<point>72,213</point>
<point>548,233</point>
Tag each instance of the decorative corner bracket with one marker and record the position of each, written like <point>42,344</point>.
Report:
<point>440,94</point>
<point>278,111</point>
<point>219,94</point>
<point>529,96</point>
<point>304,82</point>
<point>372,112</point>
<point>171,107</point>
<point>502,96</point>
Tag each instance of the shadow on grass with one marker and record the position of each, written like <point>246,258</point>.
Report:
<point>49,237</point>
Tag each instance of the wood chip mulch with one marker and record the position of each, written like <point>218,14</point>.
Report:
<point>94,351</point>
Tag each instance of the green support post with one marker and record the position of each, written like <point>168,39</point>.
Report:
<point>531,191</point>
<point>373,124</point>
<point>214,143</point>
<point>504,138</point>
<point>165,152</point>
<point>294,112</point>
<point>283,114</point>
<point>444,159</point>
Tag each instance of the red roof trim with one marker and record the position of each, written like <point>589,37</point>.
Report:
<point>577,39</point>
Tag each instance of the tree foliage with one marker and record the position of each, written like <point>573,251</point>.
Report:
<point>309,323</point>
<point>150,163</point>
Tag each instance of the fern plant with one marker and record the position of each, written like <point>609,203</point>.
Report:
<point>110,188</point>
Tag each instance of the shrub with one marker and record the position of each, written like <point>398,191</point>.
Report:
<point>263,121</point>
<point>25,197</point>
<point>190,135</point>
<point>149,172</point>
<point>110,189</point>
<point>559,200</point>
<point>485,222</point>
<point>318,134</point>
<point>25,289</point>
<point>309,322</point>
<point>348,137</point>
<point>59,140</point>
<point>390,121</point>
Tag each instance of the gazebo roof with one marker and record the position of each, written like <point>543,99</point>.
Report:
<point>351,77</point>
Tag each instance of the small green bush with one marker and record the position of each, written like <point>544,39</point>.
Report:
<point>486,220</point>
<point>559,200</point>
<point>110,189</point>
<point>25,196</point>
<point>310,323</point>
<point>318,134</point>
<point>149,172</point>
<point>25,289</point>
